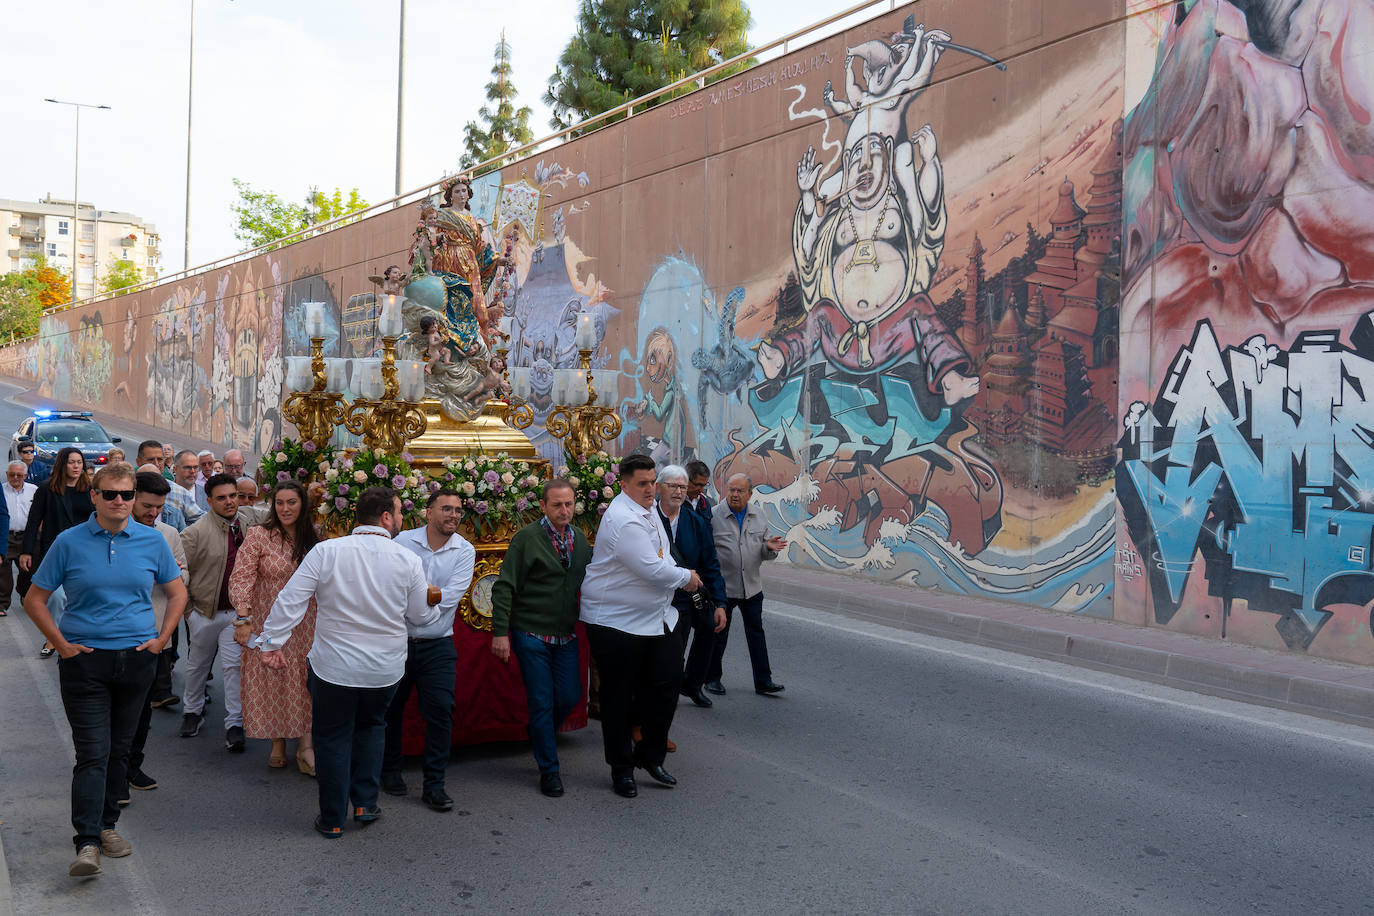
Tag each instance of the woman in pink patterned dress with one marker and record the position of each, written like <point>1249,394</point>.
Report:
<point>276,704</point>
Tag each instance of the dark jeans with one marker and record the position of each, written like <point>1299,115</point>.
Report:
<point>640,676</point>
<point>349,728</point>
<point>103,692</point>
<point>9,568</point>
<point>553,685</point>
<point>432,670</point>
<point>751,610</point>
<point>134,759</point>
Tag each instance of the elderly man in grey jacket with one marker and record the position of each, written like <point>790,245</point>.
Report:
<point>742,544</point>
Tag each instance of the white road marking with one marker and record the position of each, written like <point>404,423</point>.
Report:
<point>1356,737</point>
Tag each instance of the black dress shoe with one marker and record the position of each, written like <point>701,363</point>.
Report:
<point>715,687</point>
<point>393,785</point>
<point>551,784</point>
<point>658,774</point>
<point>437,800</point>
<point>624,786</point>
<point>768,687</point>
<point>698,698</point>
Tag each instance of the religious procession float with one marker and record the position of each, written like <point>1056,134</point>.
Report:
<point>439,409</point>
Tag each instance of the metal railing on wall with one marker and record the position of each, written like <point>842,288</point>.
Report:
<point>544,144</point>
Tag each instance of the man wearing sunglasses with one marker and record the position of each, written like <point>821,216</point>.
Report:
<point>108,645</point>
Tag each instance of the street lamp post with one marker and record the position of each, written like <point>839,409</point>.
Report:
<point>76,183</point>
<point>190,73</point>
<point>400,93</point>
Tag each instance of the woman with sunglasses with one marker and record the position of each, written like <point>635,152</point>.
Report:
<point>276,704</point>
<point>63,503</point>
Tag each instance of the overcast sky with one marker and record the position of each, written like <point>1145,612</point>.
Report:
<point>288,93</point>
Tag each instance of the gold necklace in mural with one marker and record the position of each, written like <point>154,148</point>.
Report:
<point>865,249</point>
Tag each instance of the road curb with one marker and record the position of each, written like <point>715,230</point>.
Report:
<point>1323,692</point>
<point>6,891</point>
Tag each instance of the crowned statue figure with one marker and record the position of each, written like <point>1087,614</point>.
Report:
<point>445,310</point>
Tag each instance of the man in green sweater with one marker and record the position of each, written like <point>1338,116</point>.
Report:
<point>534,610</point>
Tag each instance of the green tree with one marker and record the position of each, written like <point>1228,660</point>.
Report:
<point>624,49</point>
<point>506,126</point>
<point>123,274</point>
<point>262,217</point>
<point>24,294</point>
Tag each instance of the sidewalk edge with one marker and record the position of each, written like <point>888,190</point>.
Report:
<point>1324,699</point>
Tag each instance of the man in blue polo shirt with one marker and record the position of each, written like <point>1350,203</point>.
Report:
<point>108,644</point>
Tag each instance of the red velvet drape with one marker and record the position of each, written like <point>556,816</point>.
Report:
<point>489,696</point>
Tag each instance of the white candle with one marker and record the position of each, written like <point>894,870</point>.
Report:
<point>298,373</point>
<point>577,396</point>
<point>336,374</point>
<point>314,319</point>
<point>520,381</point>
<point>389,320</point>
<point>368,381</point>
<point>606,388</point>
<point>585,338</point>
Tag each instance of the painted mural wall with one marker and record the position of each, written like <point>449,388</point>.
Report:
<point>1246,474</point>
<point>1060,305</point>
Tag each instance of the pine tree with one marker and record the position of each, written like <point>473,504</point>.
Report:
<point>624,49</point>
<point>506,126</point>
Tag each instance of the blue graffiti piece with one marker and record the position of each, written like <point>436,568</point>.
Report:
<point>905,426</point>
<point>1268,453</point>
<point>1175,511</point>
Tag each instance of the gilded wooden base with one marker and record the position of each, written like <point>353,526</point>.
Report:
<point>486,433</point>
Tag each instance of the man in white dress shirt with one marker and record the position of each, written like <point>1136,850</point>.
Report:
<point>432,659</point>
<point>627,605</point>
<point>367,589</point>
<point>18,500</point>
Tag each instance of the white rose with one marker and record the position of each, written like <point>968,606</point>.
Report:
<point>324,465</point>
<point>579,508</point>
<point>508,478</point>
<point>469,465</point>
<point>607,492</point>
<point>281,457</point>
<point>412,481</point>
<point>331,474</point>
<point>360,476</point>
<point>468,488</point>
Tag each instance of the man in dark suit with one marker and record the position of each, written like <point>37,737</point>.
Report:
<point>698,478</point>
<point>693,547</point>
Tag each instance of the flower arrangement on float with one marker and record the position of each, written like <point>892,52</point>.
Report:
<point>500,493</point>
<point>345,480</point>
<point>289,459</point>
<point>596,481</point>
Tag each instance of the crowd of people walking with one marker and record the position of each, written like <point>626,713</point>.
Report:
<point>321,642</point>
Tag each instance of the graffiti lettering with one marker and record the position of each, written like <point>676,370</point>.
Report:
<point>1128,564</point>
<point>1260,460</point>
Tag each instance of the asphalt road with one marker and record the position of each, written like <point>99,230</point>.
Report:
<point>898,773</point>
<point>11,415</point>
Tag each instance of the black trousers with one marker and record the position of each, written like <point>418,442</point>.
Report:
<point>103,692</point>
<point>701,632</point>
<point>431,670</point>
<point>751,610</point>
<point>349,728</point>
<point>9,568</point>
<point>134,759</point>
<point>640,676</point>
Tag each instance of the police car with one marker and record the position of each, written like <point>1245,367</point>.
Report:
<point>53,430</point>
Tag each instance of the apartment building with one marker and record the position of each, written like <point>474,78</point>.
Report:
<point>100,238</point>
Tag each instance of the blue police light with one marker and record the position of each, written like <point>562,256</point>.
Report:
<point>42,413</point>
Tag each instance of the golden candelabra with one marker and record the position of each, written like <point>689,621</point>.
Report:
<point>315,412</point>
<point>388,422</point>
<point>583,429</point>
